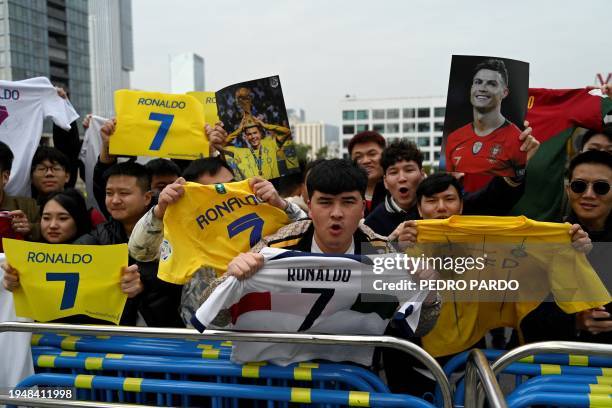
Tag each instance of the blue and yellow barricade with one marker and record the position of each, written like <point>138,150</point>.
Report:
<point>208,369</point>
<point>297,395</point>
<point>560,399</point>
<point>183,360</point>
<point>590,376</point>
<point>92,344</point>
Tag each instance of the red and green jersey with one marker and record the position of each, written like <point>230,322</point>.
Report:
<point>553,114</point>
<point>497,153</point>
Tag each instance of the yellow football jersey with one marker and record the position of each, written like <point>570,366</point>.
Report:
<point>538,255</point>
<point>209,102</point>
<point>66,280</point>
<point>158,124</point>
<point>262,162</point>
<point>210,225</point>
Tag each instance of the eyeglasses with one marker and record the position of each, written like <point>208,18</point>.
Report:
<point>44,169</point>
<point>599,187</point>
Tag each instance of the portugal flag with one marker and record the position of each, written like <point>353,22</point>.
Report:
<point>553,114</point>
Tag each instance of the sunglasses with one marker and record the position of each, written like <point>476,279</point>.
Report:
<point>599,187</point>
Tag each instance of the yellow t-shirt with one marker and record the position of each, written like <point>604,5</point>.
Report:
<point>538,255</point>
<point>260,162</point>
<point>159,124</point>
<point>59,280</point>
<point>210,225</point>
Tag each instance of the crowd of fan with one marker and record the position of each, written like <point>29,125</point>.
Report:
<point>384,184</point>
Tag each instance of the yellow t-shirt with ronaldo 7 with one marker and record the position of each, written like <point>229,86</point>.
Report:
<point>210,225</point>
<point>537,256</point>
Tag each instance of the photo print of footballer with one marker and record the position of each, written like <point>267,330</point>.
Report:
<point>485,110</point>
<point>259,141</point>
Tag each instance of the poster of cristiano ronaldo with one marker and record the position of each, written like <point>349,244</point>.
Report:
<point>485,111</point>
<point>259,142</point>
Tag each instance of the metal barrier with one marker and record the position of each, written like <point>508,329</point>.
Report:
<point>298,395</point>
<point>298,338</point>
<point>180,365</point>
<point>478,368</point>
<point>51,402</point>
<point>223,368</point>
<point>521,352</point>
<point>560,399</point>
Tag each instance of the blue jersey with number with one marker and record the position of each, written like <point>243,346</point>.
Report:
<point>210,225</point>
<point>304,292</point>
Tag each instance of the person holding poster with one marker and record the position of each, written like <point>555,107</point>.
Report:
<point>489,144</point>
<point>64,218</point>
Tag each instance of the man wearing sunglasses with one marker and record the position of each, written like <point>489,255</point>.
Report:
<point>590,199</point>
<point>590,176</point>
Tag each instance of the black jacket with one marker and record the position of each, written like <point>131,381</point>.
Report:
<point>159,301</point>
<point>378,196</point>
<point>497,198</point>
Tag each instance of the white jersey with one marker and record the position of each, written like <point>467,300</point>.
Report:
<point>312,293</point>
<point>23,106</point>
<point>15,351</point>
<point>90,150</point>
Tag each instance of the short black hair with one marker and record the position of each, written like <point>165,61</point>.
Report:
<point>366,136</point>
<point>590,157</point>
<point>606,131</point>
<point>207,165</point>
<point>437,183</point>
<point>131,169</point>
<point>6,157</point>
<point>55,156</point>
<point>493,64</point>
<point>74,203</point>
<point>398,151</point>
<point>336,176</point>
<point>289,182</point>
<point>163,167</point>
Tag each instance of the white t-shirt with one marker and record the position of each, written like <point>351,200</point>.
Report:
<point>304,292</point>
<point>15,353</point>
<point>90,150</point>
<point>23,106</point>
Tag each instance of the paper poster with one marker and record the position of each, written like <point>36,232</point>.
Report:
<point>485,110</point>
<point>259,141</point>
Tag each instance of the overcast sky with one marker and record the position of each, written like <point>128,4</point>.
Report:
<point>325,49</point>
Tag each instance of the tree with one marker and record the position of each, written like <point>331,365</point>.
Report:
<point>321,153</point>
<point>302,151</point>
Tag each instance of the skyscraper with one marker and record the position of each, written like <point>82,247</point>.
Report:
<point>112,51</point>
<point>186,73</point>
<point>47,38</point>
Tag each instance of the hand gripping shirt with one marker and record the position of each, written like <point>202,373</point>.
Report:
<point>23,106</point>
<point>210,225</point>
<point>538,255</point>
<point>313,293</point>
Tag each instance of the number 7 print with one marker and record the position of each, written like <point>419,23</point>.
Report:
<point>162,131</point>
<point>70,288</point>
<point>251,220</point>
